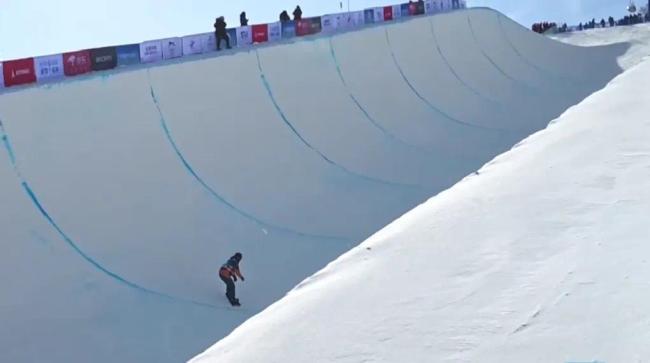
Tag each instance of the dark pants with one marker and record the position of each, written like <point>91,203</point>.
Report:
<point>221,37</point>
<point>230,288</point>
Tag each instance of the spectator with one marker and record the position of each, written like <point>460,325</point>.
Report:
<point>580,26</point>
<point>284,17</point>
<point>242,19</point>
<point>602,23</point>
<point>220,32</point>
<point>297,13</point>
<point>611,22</point>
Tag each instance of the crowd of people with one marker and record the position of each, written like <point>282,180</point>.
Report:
<point>220,25</point>
<point>543,27</point>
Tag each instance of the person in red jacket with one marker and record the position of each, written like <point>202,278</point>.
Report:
<point>229,272</point>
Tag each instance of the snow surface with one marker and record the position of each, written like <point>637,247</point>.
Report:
<point>122,193</point>
<point>542,256</point>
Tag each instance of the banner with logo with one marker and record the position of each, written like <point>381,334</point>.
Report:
<point>288,29</point>
<point>172,48</point>
<point>275,32</point>
<point>405,10</point>
<point>379,15</point>
<point>388,13</point>
<point>429,7</point>
<point>103,58</point>
<point>128,55</point>
<point>151,51</point>
<point>20,71</point>
<point>260,33</point>
<point>369,16</point>
<point>445,5</point>
<point>193,44</point>
<point>315,25</point>
<point>49,67</point>
<point>397,11</point>
<point>244,36</point>
<point>328,23</point>
<point>76,63</point>
<point>357,19</point>
<point>232,34</point>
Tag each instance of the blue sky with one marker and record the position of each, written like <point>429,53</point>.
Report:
<point>38,27</point>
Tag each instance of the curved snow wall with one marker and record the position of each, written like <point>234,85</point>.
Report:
<point>121,195</point>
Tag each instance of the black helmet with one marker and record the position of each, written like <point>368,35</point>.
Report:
<point>237,256</point>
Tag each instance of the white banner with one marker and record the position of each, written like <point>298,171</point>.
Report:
<point>49,67</point>
<point>209,41</point>
<point>429,8</point>
<point>379,15</point>
<point>445,5</point>
<point>244,36</point>
<point>463,4</point>
<point>2,77</point>
<point>328,24</point>
<point>275,32</point>
<point>151,51</point>
<point>356,19</point>
<point>397,11</point>
<point>172,48</point>
<point>193,44</point>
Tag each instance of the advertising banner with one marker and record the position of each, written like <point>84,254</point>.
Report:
<point>445,5</point>
<point>17,72</point>
<point>128,55</point>
<point>232,34</point>
<point>388,13</point>
<point>244,36</point>
<point>405,10</point>
<point>397,11</point>
<point>429,7</point>
<point>193,44</point>
<point>260,33</point>
<point>275,32</point>
<point>288,29</point>
<point>151,51</point>
<point>419,8</point>
<point>2,77</point>
<point>379,15</point>
<point>357,19</point>
<point>173,48</point>
<point>49,67</point>
<point>315,25</point>
<point>328,24</point>
<point>369,16</point>
<point>303,27</point>
<point>76,63</point>
<point>103,58</point>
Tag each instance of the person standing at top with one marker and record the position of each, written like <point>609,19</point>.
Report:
<point>297,14</point>
<point>284,17</point>
<point>242,19</point>
<point>229,272</point>
<point>221,33</point>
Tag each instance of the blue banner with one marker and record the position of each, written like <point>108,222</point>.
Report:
<point>369,16</point>
<point>232,34</point>
<point>128,55</point>
<point>405,10</point>
<point>288,29</point>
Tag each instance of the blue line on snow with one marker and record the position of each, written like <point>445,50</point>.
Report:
<point>363,110</point>
<point>218,196</point>
<point>431,106</point>
<point>306,143</point>
<point>32,196</point>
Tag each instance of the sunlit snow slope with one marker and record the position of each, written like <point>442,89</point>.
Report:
<point>542,256</point>
<point>122,194</point>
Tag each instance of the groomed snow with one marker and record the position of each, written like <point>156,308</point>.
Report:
<point>542,256</point>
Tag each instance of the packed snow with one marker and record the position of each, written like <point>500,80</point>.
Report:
<point>540,256</point>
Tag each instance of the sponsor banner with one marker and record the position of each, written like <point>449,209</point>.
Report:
<point>357,19</point>
<point>244,36</point>
<point>128,54</point>
<point>232,34</point>
<point>288,29</point>
<point>260,33</point>
<point>397,11</point>
<point>445,5</point>
<point>17,72</point>
<point>2,77</point>
<point>275,32</point>
<point>49,67</point>
<point>328,23</point>
<point>419,8</point>
<point>173,48</point>
<point>379,15</point>
<point>369,16</point>
<point>429,7</point>
<point>151,51</point>
<point>303,27</point>
<point>388,13</point>
<point>193,44</point>
<point>463,4</point>
<point>103,58</point>
<point>76,63</point>
<point>315,25</point>
<point>405,10</point>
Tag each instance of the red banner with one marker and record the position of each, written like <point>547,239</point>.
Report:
<point>388,13</point>
<point>75,63</point>
<point>303,27</point>
<point>260,33</point>
<point>20,71</point>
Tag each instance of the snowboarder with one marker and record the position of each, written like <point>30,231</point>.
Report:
<point>220,32</point>
<point>228,274</point>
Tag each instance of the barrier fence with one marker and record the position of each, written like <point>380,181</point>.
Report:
<point>50,68</point>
